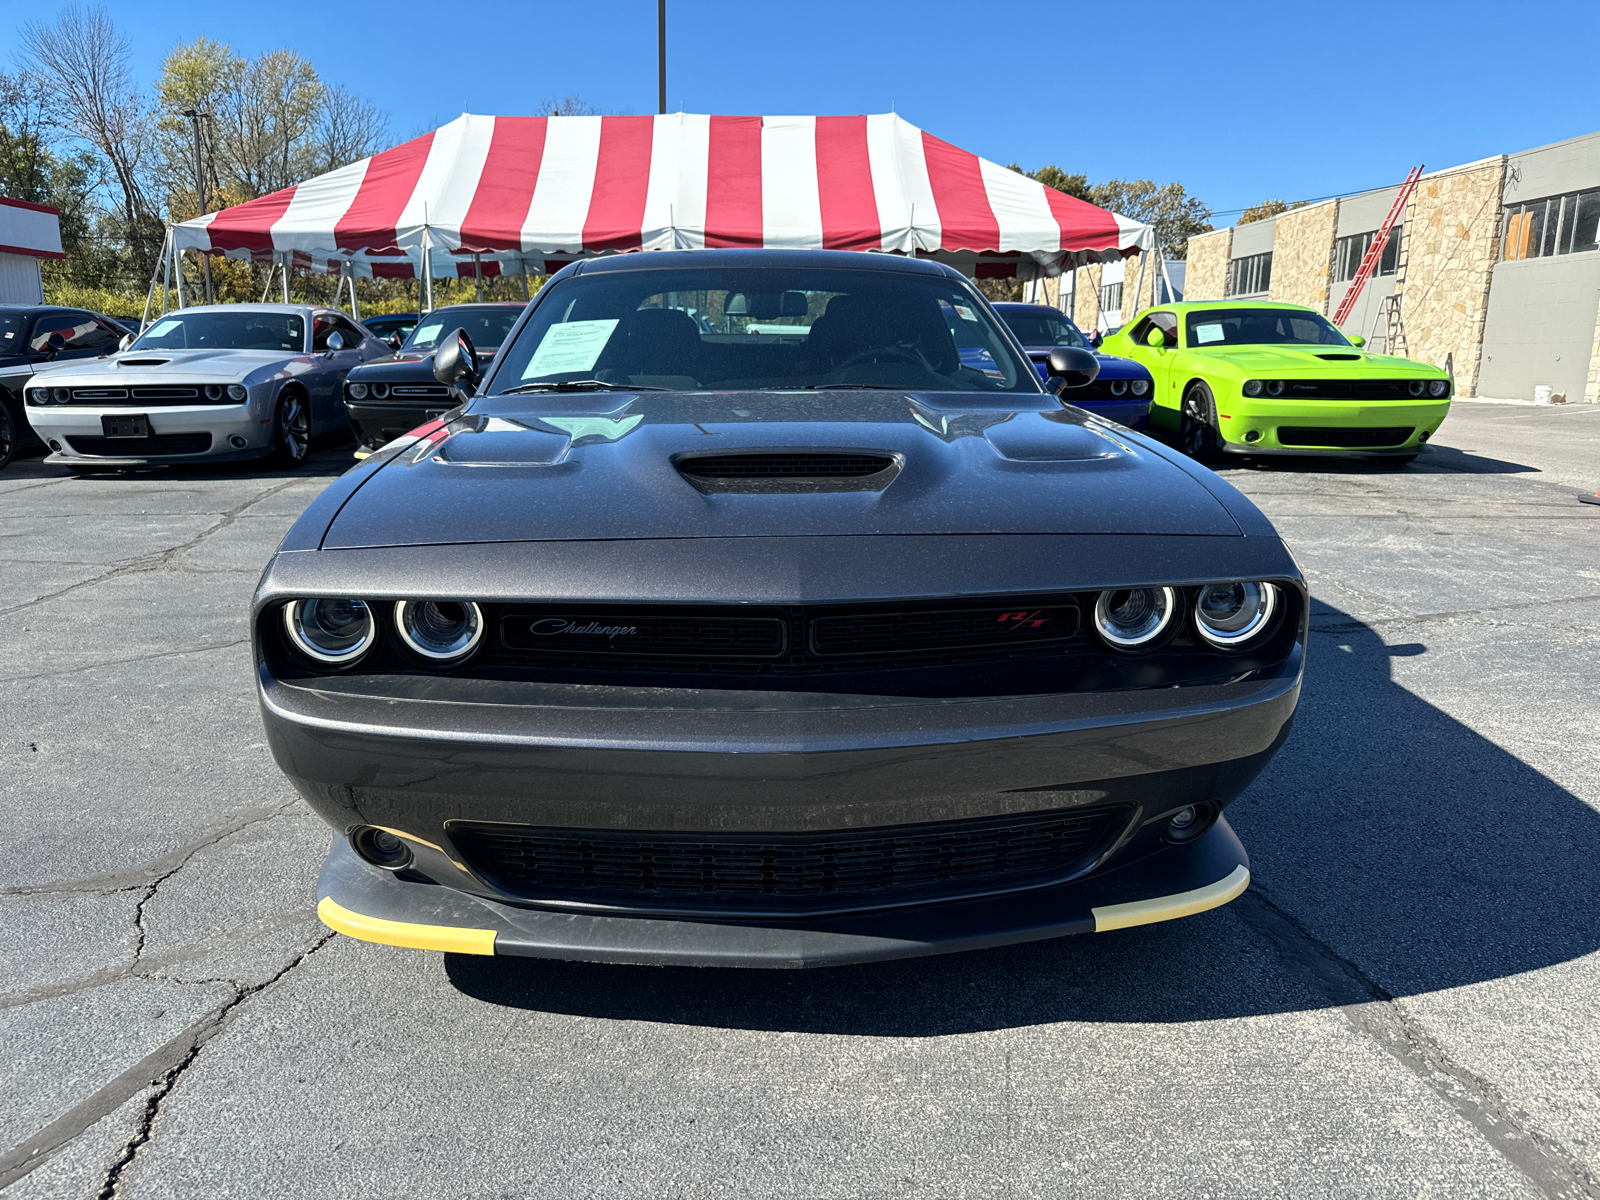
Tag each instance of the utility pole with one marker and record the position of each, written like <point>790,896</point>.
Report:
<point>661,55</point>
<point>194,115</point>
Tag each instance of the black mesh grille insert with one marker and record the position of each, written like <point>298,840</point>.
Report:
<point>880,633</point>
<point>1344,438</point>
<point>785,466</point>
<point>158,443</point>
<point>787,873</point>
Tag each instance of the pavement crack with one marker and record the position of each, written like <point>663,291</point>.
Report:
<point>1372,1011</point>
<point>161,1069</point>
<point>156,870</point>
<point>118,662</point>
<point>156,559</point>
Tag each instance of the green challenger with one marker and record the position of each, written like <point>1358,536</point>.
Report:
<point>1262,378</point>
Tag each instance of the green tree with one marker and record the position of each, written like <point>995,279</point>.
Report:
<point>1053,176</point>
<point>1267,208</point>
<point>1176,215</point>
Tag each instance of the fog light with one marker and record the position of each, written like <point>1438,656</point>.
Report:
<point>380,847</point>
<point>1188,823</point>
<point>1252,435</point>
<point>55,445</point>
<point>1182,819</point>
<point>1423,436</point>
<point>237,442</point>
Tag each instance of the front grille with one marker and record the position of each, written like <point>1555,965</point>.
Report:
<point>1344,439</point>
<point>784,642</point>
<point>785,466</point>
<point>786,873</point>
<point>419,389</point>
<point>146,395</point>
<point>1353,389</point>
<point>156,443</point>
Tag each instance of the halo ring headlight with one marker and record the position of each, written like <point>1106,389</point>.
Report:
<point>238,392</point>
<point>1416,387</point>
<point>1252,387</point>
<point>1118,386</point>
<point>358,391</point>
<point>1227,615</point>
<point>380,390</point>
<point>441,630</point>
<point>1139,387</point>
<point>1275,387</point>
<point>1437,387</point>
<point>214,392</point>
<point>328,630</point>
<point>1133,618</point>
<point>60,395</point>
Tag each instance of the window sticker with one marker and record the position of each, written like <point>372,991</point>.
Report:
<point>966,314</point>
<point>571,346</point>
<point>1208,333</point>
<point>429,333</point>
<point>162,328</point>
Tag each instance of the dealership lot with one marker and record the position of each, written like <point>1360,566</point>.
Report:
<point>1405,1001</point>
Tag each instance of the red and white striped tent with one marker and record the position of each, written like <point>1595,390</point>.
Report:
<point>507,195</point>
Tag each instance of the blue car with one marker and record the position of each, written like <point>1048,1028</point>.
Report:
<point>1123,390</point>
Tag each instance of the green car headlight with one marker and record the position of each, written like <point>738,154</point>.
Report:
<point>1416,387</point>
<point>1438,387</point>
<point>1275,387</point>
<point>1252,387</point>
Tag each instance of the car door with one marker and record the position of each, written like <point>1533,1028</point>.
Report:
<point>1161,361</point>
<point>329,367</point>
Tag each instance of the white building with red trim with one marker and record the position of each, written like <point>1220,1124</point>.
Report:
<point>29,234</point>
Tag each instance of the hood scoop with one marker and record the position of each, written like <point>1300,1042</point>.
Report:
<point>772,472</point>
<point>1340,357</point>
<point>143,362</point>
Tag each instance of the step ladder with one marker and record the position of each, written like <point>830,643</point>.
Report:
<point>1369,260</point>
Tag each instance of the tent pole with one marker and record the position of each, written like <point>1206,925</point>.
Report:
<point>355,304</point>
<point>149,296</point>
<point>177,271</point>
<point>477,271</point>
<point>1138,287</point>
<point>286,254</point>
<point>523,263</point>
<point>166,280</point>
<point>427,279</point>
<point>266,288</point>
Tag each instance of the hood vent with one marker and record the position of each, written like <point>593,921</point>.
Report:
<point>1340,357</point>
<point>143,362</point>
<point>776,471</point>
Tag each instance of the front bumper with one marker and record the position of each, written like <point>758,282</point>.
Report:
<point>67,427</point>
<point>1240,416</point>
<point>375,906</point>
<point>375,423</point>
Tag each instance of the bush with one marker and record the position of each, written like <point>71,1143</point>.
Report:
<point>100,300</point>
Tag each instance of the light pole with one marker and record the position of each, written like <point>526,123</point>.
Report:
<point>661,56</point>
<point>194,115</point>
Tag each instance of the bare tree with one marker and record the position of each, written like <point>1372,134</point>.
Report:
<point>83,63</point>
<point>567,106</point>
<point>349,128</point>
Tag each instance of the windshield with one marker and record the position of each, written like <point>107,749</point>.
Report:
<point>487,327</point>
<point>1261,327</point>
<point>751,328</point>
<point>226,331</point>
<point>1038,327</point>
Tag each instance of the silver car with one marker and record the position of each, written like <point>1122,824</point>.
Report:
<point>235,381</point>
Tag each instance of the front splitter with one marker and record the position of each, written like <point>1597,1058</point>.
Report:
<point>373,905</point>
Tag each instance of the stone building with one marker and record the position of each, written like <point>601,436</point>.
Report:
<point>1493,269</point>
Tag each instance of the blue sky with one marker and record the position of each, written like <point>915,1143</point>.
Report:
<point>1238,102</point>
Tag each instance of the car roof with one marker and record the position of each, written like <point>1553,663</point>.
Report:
<point>1201,305</point>
<point>41,308</point>
<point>290,309</point>
<point>474,304</point>
<point>1020,305</point>
<point>846,260</point>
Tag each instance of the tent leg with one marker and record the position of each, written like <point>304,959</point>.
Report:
<point>427,279</point>
<point>355,304</point>
<point>286,254</point>
<point>205,263</point>
<point>523,278</point>
<point>477,272</point>
<point>166,280</point>
<point>177,273</point>
<point>1138,288</point>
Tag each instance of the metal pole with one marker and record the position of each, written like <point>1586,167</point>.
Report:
<point>177,268</point>
<point>355,305</point>
<point>661,55</point>
<point>477,271</point>
<point>524,278</point>
<point>194,116</point>
<point>286,255</point>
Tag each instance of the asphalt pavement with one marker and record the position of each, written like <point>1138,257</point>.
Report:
<point>1406,1001</point>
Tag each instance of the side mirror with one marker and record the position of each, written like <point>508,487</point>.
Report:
<point>396,341</point>
<point>1357,340</point>
<point>1155,338</point>
<point>456,362</point>
<point>335,342</point>
<point>1070,367</point>
<point>127,340</point>
<point>55,344</point>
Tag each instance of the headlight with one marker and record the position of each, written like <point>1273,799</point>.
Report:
<point>330,631</point>
<point>1139,386</point>
<point>443,630</point>
<point>1118,387</point>
<point>60,395</point>
<point>1129,618</point>
<point>37,396</point>
<point>1275,387</point>
<point>1252,387</point>
<point>358,391</point>
<point>214,392</point>
<point>238,391</point>
<point>1438,387</point>
<point>380,390</point>
<point>1230,614</point>
<point>1416,387</point>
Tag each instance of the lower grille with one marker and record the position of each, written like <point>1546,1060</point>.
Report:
<point>156,443</point>
<point>799,874</point>
<point>1344,438</point>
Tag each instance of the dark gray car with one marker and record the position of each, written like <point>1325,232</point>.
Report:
<point>777,638</point>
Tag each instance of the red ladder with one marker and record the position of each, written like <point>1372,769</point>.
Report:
<point>1369,260</point>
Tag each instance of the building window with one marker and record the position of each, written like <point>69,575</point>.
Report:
<point>1349,251</point>
<point>1555,225</point>
<point>1111,297</point>
<point>1247,276</point>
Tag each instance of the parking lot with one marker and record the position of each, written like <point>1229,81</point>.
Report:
<point>1406,1002</point>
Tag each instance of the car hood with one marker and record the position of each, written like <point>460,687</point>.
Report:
<point>409,365</point>
<point>153,366</point>
<point>604,466</point>
<point>1314,360</point>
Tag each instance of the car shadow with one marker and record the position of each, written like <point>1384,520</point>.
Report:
<point>1433,457</point>
<point>1398,837</point>
<point>331,455</point>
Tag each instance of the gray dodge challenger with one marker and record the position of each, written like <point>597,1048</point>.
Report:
<point>732,618</point>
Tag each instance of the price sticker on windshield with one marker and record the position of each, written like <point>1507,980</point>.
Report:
<point>570,346</point>
<point>966,314</point>
<point>1208,333</point>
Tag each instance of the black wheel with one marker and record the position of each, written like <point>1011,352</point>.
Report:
<point>291,430</point>
<point>8,436</point>
<point>1197,425</point>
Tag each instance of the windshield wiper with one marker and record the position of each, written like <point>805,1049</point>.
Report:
<point>578,385</point>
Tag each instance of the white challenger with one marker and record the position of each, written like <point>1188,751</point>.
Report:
<point>235,381</point>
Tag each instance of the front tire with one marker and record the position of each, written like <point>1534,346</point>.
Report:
<point>1197,425</point>
<point>291,430</point>
<point>8,436</point>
